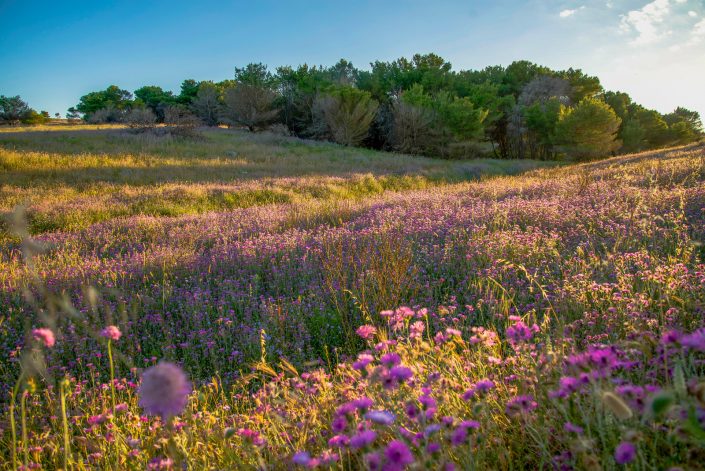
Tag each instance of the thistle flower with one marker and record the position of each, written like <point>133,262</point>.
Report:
<point>362,361</point>
<point>111,332</point>
<point>521,404</point>
<point>45,336</point>
<point>695,341</point>
<point>625,453</point>
<point>398,454</point>
<point>401,373</point>
<point>390,359</point>
<point>366,331</point>
<point>363,439</point>
<point>164,390</point>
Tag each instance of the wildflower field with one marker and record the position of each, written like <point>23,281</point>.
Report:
<point>259,302</point>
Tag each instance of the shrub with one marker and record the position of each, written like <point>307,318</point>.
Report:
<point>249,105</point>
<point>106,115</point>
<point>412,129</point>
<point>589,129</point>
<point>345,114</point>
<point>140,118</point>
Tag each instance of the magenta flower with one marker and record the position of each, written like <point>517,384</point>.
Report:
<point>625,453</point>
<point>363,402</point>
<point>339,441</point>
<point>390,359</point>
<point>459,436</point>
<point>398,454</point>
<point>366,331</point>
<point>363,439</point>
<point>571,427</point>
<point>695,341</point>
<point>401,373</point>
<point>362,361</point>
<point>339,424</point>
<point>521,404</point>
<point>45,336</point>
<point>111,332</point>
<point>373,461</point>
<point>164,390</point>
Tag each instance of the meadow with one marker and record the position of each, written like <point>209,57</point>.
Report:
<point>253,301</point>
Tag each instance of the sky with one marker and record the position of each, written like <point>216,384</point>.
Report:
<point>52,53</point>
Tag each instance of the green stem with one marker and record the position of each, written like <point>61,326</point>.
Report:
<point>112,373</point>
<point>23,410</point>
<point>13,429</point>
<point>67,443</point>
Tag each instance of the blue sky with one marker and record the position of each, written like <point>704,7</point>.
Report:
<point>51,53</point>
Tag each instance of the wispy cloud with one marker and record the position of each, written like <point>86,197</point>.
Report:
<point>570,12</point>
<point>648,22</point>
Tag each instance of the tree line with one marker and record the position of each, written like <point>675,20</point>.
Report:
<point>14,110</point>
<point>417,106</point>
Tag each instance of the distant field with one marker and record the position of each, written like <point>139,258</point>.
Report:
<point>74,176</point>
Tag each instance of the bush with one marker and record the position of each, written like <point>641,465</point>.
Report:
<point>249,105</point>
<point>588,130</point>
<point>345,114</point>
<point>140,118</point>
<point>412,129</point>
<point>106,115</point>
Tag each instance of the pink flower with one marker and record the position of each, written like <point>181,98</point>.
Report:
<point>366,331</point>
<point>46,336</point>
<point>111,332</point>
<point>164,390</point>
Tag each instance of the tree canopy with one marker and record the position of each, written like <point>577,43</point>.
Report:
<point>422,105</point>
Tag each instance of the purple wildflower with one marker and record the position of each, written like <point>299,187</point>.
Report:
<point>301,458</point>
<point>380,417</point>
<point>695,341</point>
<point>363,438</point>
<point>521,404</point>
<point>625,453</point>
<point>398,454</point>
<point>401,373</point>
<point>390,359</point>
<point>164,390</point>
<point>362,361</point>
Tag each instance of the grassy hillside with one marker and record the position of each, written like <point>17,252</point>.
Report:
<point>71,177</point>
<point>555,319</point>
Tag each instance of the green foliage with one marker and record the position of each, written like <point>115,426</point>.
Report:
<point>32,117</point>
<point>13,109</point>
<point>156,99</point>
<point>112,96</point>
<point>189,90</point>
<point>208,103</point>
<point>589,129</point>
<point>346,114</point>
<point>511,111</point>
<point>255,75</point>
<point>633,136</point>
